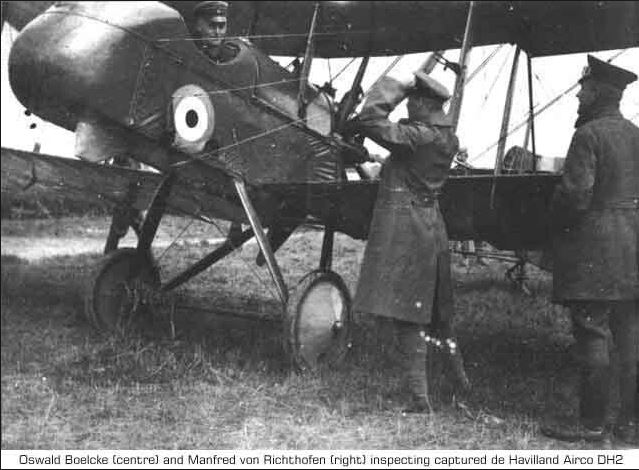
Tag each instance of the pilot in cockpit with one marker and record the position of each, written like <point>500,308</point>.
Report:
<point>210,30</point>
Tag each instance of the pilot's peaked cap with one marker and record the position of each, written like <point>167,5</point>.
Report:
<point>217,9</point>
<point>607,73</point>
<point>425,85</point>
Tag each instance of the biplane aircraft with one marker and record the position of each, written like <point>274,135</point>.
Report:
<point>251,142</point>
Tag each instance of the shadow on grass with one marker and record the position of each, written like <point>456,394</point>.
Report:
<point>501,349</point>
<point>236,369</point>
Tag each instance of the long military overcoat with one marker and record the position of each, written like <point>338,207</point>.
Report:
<point>406,266</point>
<point>596,213</point>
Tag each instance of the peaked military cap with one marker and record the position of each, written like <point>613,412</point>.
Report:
<point>216,8</point>
<point>607,73</point>
<point>426,85</point>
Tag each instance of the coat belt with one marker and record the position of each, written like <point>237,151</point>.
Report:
<point>409,198</point>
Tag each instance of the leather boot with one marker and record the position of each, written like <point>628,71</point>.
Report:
<point>418,385</point>
<point>627,432</point>
<point>593,403</point>
<point>413,350</point>
<point>626,428</point>
<point>625,327</point>
<point>573,432</point>
<point>594,396</point>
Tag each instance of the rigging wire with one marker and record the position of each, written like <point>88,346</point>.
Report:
<point>490,89</point>
<point>248,87</point>
<point>203,218</point>
<point>540,110</point>
<point>260,85</point>
<point>268,36</point>
<point>546,91</point>
<point>394,62</point>
<point>344,68</point>
<point>483,64</point>
<point>250,267</point>
<point>215,152</point>
<point>184,229</point>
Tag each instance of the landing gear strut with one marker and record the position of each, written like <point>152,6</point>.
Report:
<point>127,279</point>
<point>516,274</point>
<point>316,315</point>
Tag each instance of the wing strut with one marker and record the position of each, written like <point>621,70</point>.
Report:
<point>503,133</point>
<point>508,105</point>
<point>154,213</point>
<point>464,54</point>
<point>306,66</point>
<point>530,131</point>
<point>262,241</point>
<point>543,108</point>
<point>350,99</point>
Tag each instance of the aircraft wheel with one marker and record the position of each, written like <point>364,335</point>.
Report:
<point>121,289</point>
<point>318,319</point>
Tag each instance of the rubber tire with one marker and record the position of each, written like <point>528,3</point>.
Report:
<point>118,270</point>
<point>297,323</point>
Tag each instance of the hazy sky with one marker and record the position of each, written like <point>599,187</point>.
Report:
<point>481,111</point>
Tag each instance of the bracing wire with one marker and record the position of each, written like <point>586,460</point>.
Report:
<point>249,87</point>
<point>266,36</point>
<point>250,267</point>
<point>483,64</point>
<point>547,92</point>
<point>390,66</point>
<point>260,85</point>
<point>174,241</point>
<point>539,111</point>
<point>344,68</point>
<point>244,141</point>
<point>490,89</point>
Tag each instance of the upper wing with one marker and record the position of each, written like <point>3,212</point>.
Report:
<point>357,28</point>
<point>378,28</point>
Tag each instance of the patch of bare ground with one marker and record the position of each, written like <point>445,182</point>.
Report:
<point>189,378</point>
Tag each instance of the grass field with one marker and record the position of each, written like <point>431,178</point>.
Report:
<point>225,383</point>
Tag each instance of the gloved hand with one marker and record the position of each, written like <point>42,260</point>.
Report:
<point>407,80</point>
<point>409,83</point>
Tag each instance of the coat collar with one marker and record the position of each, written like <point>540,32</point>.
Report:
<point>598,112</point>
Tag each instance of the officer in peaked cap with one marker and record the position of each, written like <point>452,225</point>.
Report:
<point>605,72</point>
<point>215,8</point>
<point>210,29</point>
<point>595,213</point>
<point>405,274</point>
<point>428,86</point>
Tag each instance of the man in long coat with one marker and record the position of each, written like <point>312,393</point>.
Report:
<point>596,255</point>
<point>405,274</point>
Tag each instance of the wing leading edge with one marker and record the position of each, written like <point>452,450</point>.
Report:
<point>355,28</point>
<point>382,28</point>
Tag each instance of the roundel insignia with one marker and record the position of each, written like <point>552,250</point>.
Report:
<point>193,118</point>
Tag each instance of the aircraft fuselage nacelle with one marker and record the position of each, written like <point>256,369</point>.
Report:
<point>127,76</point>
